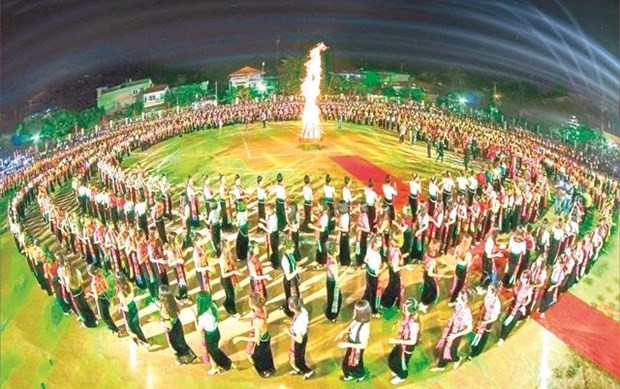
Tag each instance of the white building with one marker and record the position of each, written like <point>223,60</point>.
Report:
<point>154,95</point>
<point>247,76</point>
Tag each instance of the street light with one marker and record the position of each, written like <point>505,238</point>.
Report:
<point>463,100</point>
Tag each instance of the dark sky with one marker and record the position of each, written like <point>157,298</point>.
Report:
<point>573,42</point>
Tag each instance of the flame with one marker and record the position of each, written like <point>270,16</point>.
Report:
<point>310,90</point>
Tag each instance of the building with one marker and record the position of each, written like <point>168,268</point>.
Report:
<point>247,76</point>
<point>114,98</point>
<point>154,95</point>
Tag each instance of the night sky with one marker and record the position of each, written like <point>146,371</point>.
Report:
<point>573,43</point>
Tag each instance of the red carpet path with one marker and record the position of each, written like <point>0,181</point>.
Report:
<point>580,326</point>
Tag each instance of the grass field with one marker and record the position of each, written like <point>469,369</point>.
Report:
<point>50,345</point>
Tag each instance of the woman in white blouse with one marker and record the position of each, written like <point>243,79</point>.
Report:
<point>206,322</point>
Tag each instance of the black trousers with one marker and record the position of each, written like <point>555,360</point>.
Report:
<point>299,354</point>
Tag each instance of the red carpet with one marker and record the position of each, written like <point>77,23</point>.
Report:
<point>582,327</point>
<point>585,330</point>
<point>362,170</point>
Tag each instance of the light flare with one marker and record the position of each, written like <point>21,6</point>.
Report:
<point>310,90</point>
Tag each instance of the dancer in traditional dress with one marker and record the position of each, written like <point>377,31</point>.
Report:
<point>292,227</point>
<point>307,197</point>
<point>516,248</point>
<point>52,267</point>
<point>393,295</point>
<point>357,334</point>
<point>370,196</point>
<point>374,265</point>
<point>270,226</point>
<point>129,309</point>
<point>430,286</point>
<point>298,333</point>
<point>259,341</point>
<point>280,193</point>
<point>255,270</point>
<point>75,283</point>
<point>361,234</point>
<point>343,227</point>
<point>291,279</point>
<point>176,261</point>
<point>332,286</point>
<point>201,266</point>
<point>169,313</point>
<point>99,289</point>
<point>328,200</point>
<point>519,309</point>
<point>491,251</point>
<point>464,260</point>
<point>389,195</point>
<point>550,297</point>
<point>322,235</point>
<point>414,191</point>
<point>489,313</point>
<point>242,240</point>
<point>460,324</point>
<point>405,341</point>
<point>228,280</point>
<point>207,324</point>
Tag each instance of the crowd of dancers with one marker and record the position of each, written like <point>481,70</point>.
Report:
<point>126,224</point>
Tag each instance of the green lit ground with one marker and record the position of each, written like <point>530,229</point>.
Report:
<point>41,347</point>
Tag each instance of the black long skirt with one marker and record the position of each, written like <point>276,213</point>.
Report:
<point>349,369</point>
<point>398,361</point>
<point>345,253</point>
<point>430,291</point>
<point>176,339</point>
<point>212,340</point>
<point>84,311</point>
<point>391,294</point>
<point>263,358</point>
<point>334,301</point>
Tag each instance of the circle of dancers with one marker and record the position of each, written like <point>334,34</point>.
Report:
<point>135,227</point>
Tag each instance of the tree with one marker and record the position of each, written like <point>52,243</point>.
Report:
<point>372,81</point>
<point>134,109</point>
<point>89,117</point>
<point>58,124</point>
<point>291,72</point>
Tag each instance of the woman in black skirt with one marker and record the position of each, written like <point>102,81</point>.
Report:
<point>228,279</point>
<point>361,235</point>
<point>357,334</point>
<point>430,287</point>
<point>299,338</point>
<point>394,292</point>
<point>405,341</point>
<point>334,296</point>
<point>74,281</point>
<point>174,328</point>
<point>206,322</point>
<point>292,227</point>
<point>259,340</point>
<point>242,242</point>
<point>129,309</point>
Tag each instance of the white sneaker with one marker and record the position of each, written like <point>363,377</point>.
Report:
<point>500,343</point>
<point>397,380</point>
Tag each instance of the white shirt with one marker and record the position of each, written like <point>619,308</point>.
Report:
<point>362,328</point>
<point>389,192</point>
<point>207,322</point>
<point>280,192</point>
<point>346,195</point>
<point>517,247</point>
<point>371,196</point>
<point>300,324</point>
<point>432,189</point>
<point>344,221</point>
<point>260,193</point>
<point>307,193</point>
<point>488,246</point>
<point>373,259</point>
<point>329,191</point>
<point>141,208</point>
<point>272,223</point>
<point>473,183</point>
<point>447,184</point>
<point>461,183</point>
<point>206,189</point>
<point>414,187</point>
